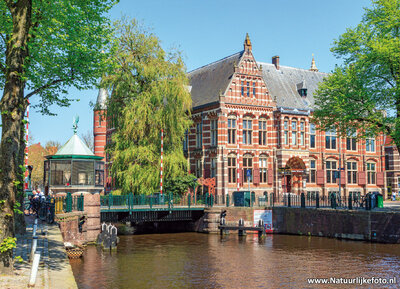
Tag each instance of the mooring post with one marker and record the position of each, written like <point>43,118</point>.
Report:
<point>222,222</point>
<point>261,233</point>
<point>303,200</point>
<point>241,232</point>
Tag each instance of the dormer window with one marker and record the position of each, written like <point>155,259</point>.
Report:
<point>303,92</point>
<point>302,88</point>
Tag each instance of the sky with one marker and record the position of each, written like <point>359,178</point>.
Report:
<point>208,30</point>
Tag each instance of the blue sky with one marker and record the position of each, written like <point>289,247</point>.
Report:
<point>208,30</point>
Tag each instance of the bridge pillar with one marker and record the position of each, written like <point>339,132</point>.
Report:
<point>92,209</point>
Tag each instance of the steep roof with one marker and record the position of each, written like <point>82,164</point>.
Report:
<point>207,82</point>
<point>283,83</point>
<point>74,146</point>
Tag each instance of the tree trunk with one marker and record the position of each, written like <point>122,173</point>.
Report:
<point>20,226</point>
<point>12,106</point>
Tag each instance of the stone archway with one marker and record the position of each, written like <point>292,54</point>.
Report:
<point>294,180</point>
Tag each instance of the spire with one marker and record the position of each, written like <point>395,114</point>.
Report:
<point>247,43</point>
<point>313,66</point>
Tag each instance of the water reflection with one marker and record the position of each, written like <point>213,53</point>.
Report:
<point>190,260</point>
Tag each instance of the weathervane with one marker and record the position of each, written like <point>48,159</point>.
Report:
<point>75,124</point>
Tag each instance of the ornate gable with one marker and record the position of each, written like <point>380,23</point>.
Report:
<point>247,86</point>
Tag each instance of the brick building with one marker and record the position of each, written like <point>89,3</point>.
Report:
<point>254,118</point>
<point>252,130</point>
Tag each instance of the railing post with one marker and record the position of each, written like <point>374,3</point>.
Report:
<point>303,200</point>
<point>151,202</point>
<point>69,202</point>
<point>350,203</point>
<point>288,203</point>
<point>109,200</point>
<point>317,200</point>
<point>227,200</point>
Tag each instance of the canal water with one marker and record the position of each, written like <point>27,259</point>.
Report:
<point>193,260</point>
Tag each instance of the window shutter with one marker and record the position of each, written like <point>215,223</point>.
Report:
<point>240,172</point>
<point>256,176</point>
<point>270,176</point>
<point>320,177</point>
<point>361,178</point>
<point>379,178</point>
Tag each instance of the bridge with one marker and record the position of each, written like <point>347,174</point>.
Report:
<point>155,208</point>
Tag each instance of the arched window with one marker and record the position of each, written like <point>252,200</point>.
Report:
<point>247,167</point>
<point>294,132</point>
<point>313,171</point>
<point>263,168</point>
<point>302,128</point>
<point>232,168</point>
<point>312,135</point>
<point>247,130</point>
<point>331,169</point>
<point>371,173</point>
<point>330,139</point>
<point>370,144</point>
<point>262,131</point>
<point>352,172</point>
<point>232,129</point>
<point>286,131</point>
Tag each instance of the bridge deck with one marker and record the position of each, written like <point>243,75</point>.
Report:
<point>125,208</point>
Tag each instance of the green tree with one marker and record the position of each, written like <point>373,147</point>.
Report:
<point>149,93</point>
<point>45,46</point>
<point>180,184</point>
<point>364,93</point>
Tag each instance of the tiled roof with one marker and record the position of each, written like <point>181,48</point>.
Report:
<point>209,81</point>
<point>283,85</point>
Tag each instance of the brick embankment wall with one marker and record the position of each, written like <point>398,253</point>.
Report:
<point>69,227</point>
<point>69,222</point>
<point>382,227</point>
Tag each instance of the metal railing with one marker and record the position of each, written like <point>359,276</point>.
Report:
<point>333,200</point>
<point>69,203</point>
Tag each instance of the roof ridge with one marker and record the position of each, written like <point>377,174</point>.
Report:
<point>285,66</point>
<point>217,61</point>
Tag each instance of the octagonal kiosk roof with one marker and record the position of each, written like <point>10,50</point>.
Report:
<point>75,148</point>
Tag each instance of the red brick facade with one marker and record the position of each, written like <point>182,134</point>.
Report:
<point>269,136</point>
<point>250,116</point>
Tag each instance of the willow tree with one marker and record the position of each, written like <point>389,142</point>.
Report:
<point>45,46</point>
<point>363,94</point>
<point>149,94</point>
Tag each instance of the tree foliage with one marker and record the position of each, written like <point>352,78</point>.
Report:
<point>45,47</point>
<point>180,184</point>
<point>364,93</point>
<point>148,94</point>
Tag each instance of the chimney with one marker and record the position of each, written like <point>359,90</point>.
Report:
<point>275,61</point>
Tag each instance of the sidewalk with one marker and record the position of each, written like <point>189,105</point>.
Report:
<point>54,270</point>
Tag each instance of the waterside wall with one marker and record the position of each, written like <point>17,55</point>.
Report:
<point>373,226</point>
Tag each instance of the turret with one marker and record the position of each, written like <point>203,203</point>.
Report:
<point>100,123</point>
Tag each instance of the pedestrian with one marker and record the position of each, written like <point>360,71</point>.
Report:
<point>394,196</point>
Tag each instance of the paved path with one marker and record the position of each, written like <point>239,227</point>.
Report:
<point>54,270</point>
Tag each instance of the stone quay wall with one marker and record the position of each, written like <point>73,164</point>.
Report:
<point>372,226</point>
